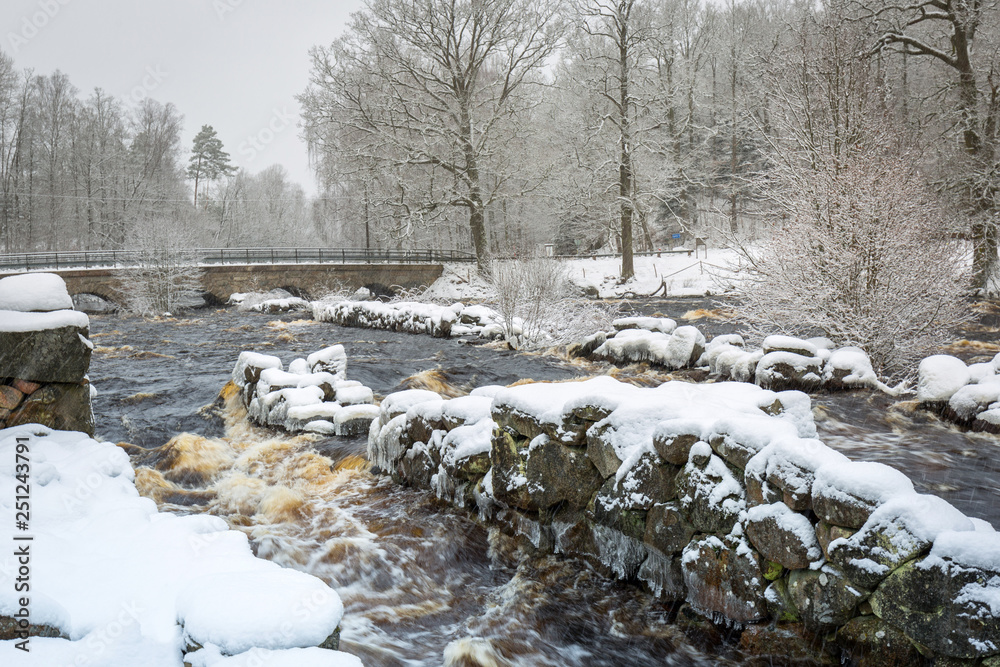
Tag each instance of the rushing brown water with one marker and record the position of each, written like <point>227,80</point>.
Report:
<point>422,583</point>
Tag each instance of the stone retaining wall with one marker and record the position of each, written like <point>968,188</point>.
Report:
<point>721,498</point>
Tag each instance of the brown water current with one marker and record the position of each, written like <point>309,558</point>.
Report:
<point>422,583</point>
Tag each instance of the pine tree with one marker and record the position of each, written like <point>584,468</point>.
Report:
<point>208,160</point>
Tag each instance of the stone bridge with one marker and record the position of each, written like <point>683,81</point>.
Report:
<point>221,281</point>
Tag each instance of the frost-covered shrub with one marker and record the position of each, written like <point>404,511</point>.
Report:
<point>163,279</point>
<point>536,305</point>
<point>860,257</point>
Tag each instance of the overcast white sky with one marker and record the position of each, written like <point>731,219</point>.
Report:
<point>233,64</point>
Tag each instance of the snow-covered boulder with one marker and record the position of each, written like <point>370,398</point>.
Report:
<point>789,344</point>
<point>661,324</point>
<point>939,377</point>
<point>331,360</point>
<point>845,493</point>
<point>355,419</point>
<point>972,399</point>
<point>44,355</point>
<point>849,367</point>
<point>782,536</point>
<point>781,369</point>
<point>281,305</point>
<point>961,575</point>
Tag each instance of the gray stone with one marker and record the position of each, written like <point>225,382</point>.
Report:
<point>591,413</point>
<point>559,474</point>
<point>827,533</point>
<point>649,480</point>
<point>418,429</point>
<point>824,598</point>
<point>470,467</point>
<point>868,641</point>
<point>842,508</point>
<point>602,455</point>
<point>779,603</point>
<point>725,579</point>
<point>571,430</point>
<point>524,424</point>
<point>733,450</point>
<point>332,642</point>
<point>788,467</point>
<point>783,370</point>
<point>869,555</point>
<point>942,606</point>
<point>613,508</point>
<point>64,407</point>
<point>586,347</point>
<point>666,529</point>
<point>507,463</point>
<point>782,536</point>
<point>53,355</point>
<point>759,492</point>
<point>418,466</point>
<point>674,448</point>
<point>710,496</point>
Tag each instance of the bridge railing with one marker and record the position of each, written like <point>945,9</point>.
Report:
<point>88,259</point>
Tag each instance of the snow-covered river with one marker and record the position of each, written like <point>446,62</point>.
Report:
<point>418,579</point>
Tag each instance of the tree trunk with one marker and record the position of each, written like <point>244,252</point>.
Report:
<point>625,163</point>
<point>985,241</point>
<point>477,217</point>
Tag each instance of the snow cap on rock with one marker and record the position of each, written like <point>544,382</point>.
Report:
<point>940,376</point>
<point>34,292</point>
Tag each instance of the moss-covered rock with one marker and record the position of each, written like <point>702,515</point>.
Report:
<point>868,641</point>
<point>824,598</point>
<point>779,603</point>
<point>507,459</point>
<point>869,555</point>
<point>943,606</point>
<point>558,474</point>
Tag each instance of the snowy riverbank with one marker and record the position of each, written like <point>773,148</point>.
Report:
<point>711,272</point>
<point>117,583</point>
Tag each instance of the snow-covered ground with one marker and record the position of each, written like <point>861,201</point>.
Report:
<point>685,275</point>
<point>127,585</point>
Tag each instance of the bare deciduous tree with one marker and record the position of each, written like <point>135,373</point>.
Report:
<point>436,88</point>
<point>946,31</point>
